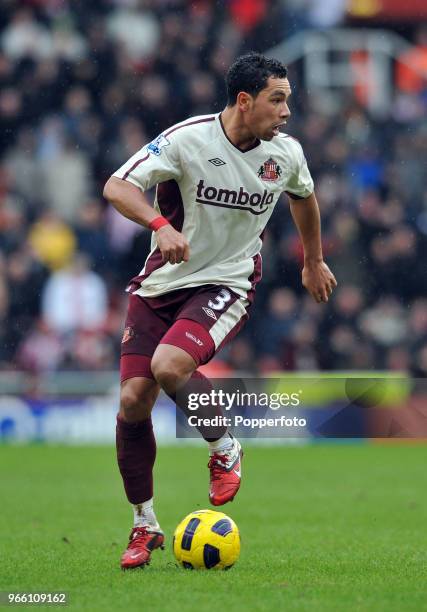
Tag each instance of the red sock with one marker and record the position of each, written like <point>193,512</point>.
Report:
<point>136,453</point>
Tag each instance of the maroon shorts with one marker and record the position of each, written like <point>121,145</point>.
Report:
<point>199,320</point>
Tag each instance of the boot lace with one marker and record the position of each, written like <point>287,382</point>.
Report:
<point>217,464</point>
<point>135,538</point>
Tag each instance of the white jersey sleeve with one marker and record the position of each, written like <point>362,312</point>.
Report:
<point>300,184</point>
<point>156,162</point>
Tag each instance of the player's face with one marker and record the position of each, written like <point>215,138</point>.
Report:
<point>269,110</point>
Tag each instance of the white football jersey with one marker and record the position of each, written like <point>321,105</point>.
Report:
<point>218,196</point>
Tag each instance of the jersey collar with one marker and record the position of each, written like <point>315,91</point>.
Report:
<point>222,130</point>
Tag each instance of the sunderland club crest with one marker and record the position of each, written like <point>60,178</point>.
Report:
<point>270,170</point>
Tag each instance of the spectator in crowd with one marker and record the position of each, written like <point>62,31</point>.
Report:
<point>274,329</point>
<point>25,277</point>
<point>5,352</point>
<point>52,240</point>
<point>41,351</point>
<point>411,70</point>
<point>74,298</point>
<point>90,231</point>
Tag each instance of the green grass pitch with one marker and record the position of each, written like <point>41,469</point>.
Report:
<point>324,527</point>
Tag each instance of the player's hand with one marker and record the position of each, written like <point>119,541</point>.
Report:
<point>173,245</point>
<point>318,280</point>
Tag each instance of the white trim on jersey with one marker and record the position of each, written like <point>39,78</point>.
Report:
<point>227,321</point>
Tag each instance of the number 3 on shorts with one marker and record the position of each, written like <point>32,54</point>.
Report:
<point>221,299</point>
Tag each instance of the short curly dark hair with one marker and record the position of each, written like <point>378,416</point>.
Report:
<point>250,73</point>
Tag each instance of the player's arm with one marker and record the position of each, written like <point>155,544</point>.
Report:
<point>131,202</point>
<point>316,276</point>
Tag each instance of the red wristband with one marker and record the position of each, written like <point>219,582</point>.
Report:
<point>157,223</point>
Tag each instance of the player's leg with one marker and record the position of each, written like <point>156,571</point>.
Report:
<point>136,444</point>
<point>136,454</point>
<point>215,315</point>
<point>135,441</point>
<point>175,370</point>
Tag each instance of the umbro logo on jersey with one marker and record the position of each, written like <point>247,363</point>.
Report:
<point>209,312</point>
<point>216,161</point>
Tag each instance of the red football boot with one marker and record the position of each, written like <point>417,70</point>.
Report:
<point>142,541</point>
<point>225,467</point>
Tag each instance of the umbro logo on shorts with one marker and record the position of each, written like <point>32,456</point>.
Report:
<point>194,339</point>
<point>216,161</point>
<point>210,313</point>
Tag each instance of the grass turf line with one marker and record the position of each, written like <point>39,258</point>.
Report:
<point>330,527</point>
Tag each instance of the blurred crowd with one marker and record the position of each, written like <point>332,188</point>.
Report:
<point>84,85</point>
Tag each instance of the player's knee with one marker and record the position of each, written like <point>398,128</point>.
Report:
<point>135,406</point>
<point>169,373</point>
<point>169,380</point>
